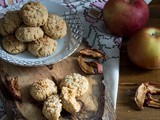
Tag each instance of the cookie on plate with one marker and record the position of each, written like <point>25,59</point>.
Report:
<point>12,45</point>
<point>3,32</point>
<point>42,47</point>
<point>55,27</point>
<point>28,34</point>
<point>34,14</point>
<point>77,82</point>
<point>42,89</point>
<point>12,21</point>
<point>52,107</point>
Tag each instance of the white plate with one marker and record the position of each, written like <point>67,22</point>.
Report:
<point>66,46</point>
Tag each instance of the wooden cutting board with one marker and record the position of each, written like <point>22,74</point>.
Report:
<point>93,103</point>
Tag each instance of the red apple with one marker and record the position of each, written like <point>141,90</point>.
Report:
<point>124,17</point>
<point>143,48</point>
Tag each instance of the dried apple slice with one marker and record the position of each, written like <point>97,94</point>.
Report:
<point>94,53</point>
<point>13,88</point>
<point>140,95</point>
<point>90,67</point>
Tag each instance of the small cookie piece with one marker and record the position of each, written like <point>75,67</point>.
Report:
<point>12,21</point>
<point>55,27</point>
<point>34,14</point>
<point>76,82</point>
<point>52,107</point>
<point>42,89</point>
<point>2,30</point>
<point>28,34</point>
<point>42,47</point>
<point>12,45</point>
<point>69,102</point>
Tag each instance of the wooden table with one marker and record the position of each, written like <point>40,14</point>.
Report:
<point>129,73</point>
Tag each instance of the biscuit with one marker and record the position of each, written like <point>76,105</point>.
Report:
<point>42,47</point>
<point>76,82</point>
<point>12,45</point>
<point>34,14</point>
<point>69,102</point>
<point>55,27</point>
<point>28,34</point>
<point>2,30</point>
<point>52,108</point>
<point>12,21</point>
<point>42,89</point>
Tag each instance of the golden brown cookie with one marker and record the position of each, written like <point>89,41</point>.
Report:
<point>77,82</point>
<point>12,21</point>
<point>55,27</point>
<point>42,89</point>
<point>12,45</point>
<point>2,30</point>
<point>52,108</point>
<point>42,47</point>
<point>34,14</point>
<point>69,102</point>
<point>28,34</point>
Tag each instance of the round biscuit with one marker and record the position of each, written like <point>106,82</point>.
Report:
<point>12,45</point>
<point>55,27</point>
<point>34,14</point>
<point>12,21</point>
<point>3,32</point>
<point>77,82</point>
<point>28,34</point>
<point>52,107</point>
<point>42,47</point>
<point>42,89</point>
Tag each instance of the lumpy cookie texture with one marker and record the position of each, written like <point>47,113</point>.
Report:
<point>55,27</point>
<point>12,21</point>
<point>42,89</point>
<point>28,34</point>
<point>34,14</point>
<point>69,102</point>
<point>3,32</point>
<point>34,25</point>
<point>12,45</point>
<point>52,107</point>
<point>42,47</point>
<point>76,82</point>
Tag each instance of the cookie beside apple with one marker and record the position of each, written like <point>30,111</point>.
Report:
<point>125,17</point>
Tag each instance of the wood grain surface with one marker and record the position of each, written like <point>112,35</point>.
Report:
<point>131,76</point>
<point>94,106</point>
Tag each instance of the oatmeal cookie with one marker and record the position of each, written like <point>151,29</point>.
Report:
<point>55,27</point>
<point>12,21</point>
<point>12,45</point>
<point>42,89</point>
<point>28,34</point>
<point>76,82</point>
<point>69,102</point>
<point>3,32</point>
<point>34,14</point>
<point>42,47</point>
<point>52,107</point>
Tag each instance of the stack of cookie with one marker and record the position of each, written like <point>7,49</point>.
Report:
<point>72,86</point>
<point>32,28</point>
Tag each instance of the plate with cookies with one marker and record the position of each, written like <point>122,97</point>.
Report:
<point>38,33</point>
